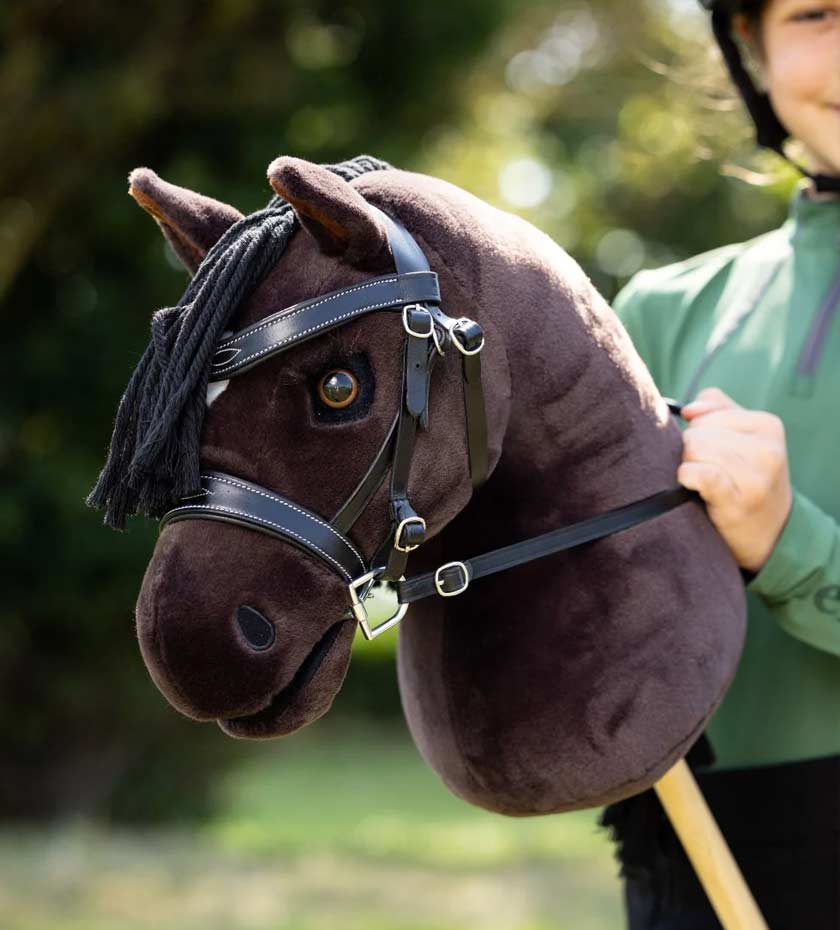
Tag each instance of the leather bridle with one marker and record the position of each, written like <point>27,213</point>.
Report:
<point>413,293</point>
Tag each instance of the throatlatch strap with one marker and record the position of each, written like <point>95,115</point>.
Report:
<point>528,550</point>
<point>469,337</point>
<point>476,420</point>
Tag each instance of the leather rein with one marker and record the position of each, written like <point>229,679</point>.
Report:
<point>412,292</point>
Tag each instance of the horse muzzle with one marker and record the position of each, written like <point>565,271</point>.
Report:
<point>249,633</point>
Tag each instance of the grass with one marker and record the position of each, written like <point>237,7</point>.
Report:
<point>338,828</point>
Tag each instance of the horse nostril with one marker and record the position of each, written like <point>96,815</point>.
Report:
<point>259,633</point>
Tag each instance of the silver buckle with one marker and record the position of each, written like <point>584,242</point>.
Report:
<point>439,580</point>
<point>462,349</point>
<point>400,528</point>
<point>408,328</point>
<point>360,613</point>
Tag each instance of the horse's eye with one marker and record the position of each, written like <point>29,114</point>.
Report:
<point>338,388</point>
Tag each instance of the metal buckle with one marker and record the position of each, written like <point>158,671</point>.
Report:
<point>401,527</point>
<point>406,325</point>
<point>437,340</point>
<point>461,348</point>
<point>439,580</point>
<point>368,580</point>
<point>438,328</point>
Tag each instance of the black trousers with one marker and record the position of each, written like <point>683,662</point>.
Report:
<point>782,823</point>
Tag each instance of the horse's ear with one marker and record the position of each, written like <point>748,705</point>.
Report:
<point>191,223</point>
<point>331,210</point>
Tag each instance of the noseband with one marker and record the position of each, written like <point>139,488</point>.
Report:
<point>413,293</point>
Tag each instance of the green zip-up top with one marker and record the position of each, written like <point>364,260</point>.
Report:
<point>761,321</point>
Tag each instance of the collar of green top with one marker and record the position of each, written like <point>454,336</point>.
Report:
<point>814,222</point>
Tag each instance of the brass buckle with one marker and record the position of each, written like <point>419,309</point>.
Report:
<point>401,527</point>
<point>439,580</point>
<point>407,325</point>
<point>458,345</point>
<point>437,340</point>
<point>360,613</point>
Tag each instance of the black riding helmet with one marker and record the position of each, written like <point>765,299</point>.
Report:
<point>769,129</point>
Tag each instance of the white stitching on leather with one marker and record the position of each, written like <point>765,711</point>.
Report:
<point>357,312</point>
<point>202,493</point>
<point>306,306</point>
<point>285,503</point>
<point>241,513</point>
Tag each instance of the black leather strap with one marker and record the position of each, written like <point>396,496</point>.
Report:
<point>476,420</point>
<point>537,547</point>
<point>233,500</point>
<point>310,318</point>
<point>355,504</point>
<point>417,360</point>
<point>467,335</point>
<point>407,254</point>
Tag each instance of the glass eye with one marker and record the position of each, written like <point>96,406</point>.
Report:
<point>338,388</point>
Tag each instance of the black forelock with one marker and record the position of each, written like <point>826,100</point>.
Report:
<point>153,459</point>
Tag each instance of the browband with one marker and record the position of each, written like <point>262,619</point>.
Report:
<point>414,283</point>
<point>296,324</point>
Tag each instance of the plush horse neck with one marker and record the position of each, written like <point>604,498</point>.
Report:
<point>572,681</point>
<point>557,680</point>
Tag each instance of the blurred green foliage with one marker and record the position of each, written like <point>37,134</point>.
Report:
<point>600,122</point>
<point>613,128</point>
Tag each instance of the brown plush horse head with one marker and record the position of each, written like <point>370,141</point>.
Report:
<point>571,681</point>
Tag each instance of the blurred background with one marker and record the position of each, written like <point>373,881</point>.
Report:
<point>607,124</point>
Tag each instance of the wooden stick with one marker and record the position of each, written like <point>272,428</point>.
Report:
<point>707,849</point>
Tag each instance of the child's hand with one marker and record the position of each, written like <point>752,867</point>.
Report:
<point>736,459</point>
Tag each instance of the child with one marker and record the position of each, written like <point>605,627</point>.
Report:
<point>750,334</point>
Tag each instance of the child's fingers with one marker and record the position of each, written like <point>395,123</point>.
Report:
<point>707,401</point>
<point>711,480</point>
<point>740,422</point>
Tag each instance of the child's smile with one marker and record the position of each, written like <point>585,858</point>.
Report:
<point>799,48</point>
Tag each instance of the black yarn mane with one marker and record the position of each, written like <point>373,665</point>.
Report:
<point>153,460</point>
